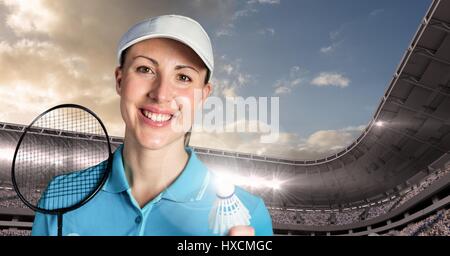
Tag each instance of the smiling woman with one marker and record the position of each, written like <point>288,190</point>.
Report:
<point>157,185</point>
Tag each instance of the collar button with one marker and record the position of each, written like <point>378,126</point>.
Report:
<point>138,219</point>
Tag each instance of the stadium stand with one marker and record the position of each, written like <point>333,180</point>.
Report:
<point>343,217</point>
<point>435,225</point>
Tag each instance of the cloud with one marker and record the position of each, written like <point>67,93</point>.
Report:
<point>267,31</point>
<point>376,12</point>
<point>331,48</point>
<point>40,74</point>
<point>248,9</point>
<point>29,16</point>
<point>264,2</point>
<point>318,145</point>
<point>336,33</point>
<point>282,90</point>
<point>223,32</point>
<point>243,13</point>
<point>334,36</point>
<point>337,36</point>
<point>249,142</point>
<point>326,49</point>
<point>227,28</point>
<point>295,78</point>
<point>327,141</point>
<point>227,68</point>
<point>229,77</point>
<point>229,92</point>
<point>330,79</point>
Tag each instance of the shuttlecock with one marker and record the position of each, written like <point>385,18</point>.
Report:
<point>228,211</point>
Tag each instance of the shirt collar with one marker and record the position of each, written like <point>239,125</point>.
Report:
<point>190,185</point>
<point>117,182</point>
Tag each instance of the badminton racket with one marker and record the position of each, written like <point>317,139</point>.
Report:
<point>61,161</point>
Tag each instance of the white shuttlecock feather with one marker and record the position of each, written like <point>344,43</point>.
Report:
<point>228,211</point>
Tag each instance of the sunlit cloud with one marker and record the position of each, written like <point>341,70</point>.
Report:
<point>30,16</point>
<point>317,145</point>
<point>330,79</point>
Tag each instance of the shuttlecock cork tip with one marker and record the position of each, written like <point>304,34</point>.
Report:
<point>225,189</point>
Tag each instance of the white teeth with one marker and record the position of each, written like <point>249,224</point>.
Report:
<point>156,117</point>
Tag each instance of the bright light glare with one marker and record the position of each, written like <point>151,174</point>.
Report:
<point>248,181</point>
<point>275,184</point>
<point>379,123</point>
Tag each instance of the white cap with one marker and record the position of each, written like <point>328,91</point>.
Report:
<point>180,28</point>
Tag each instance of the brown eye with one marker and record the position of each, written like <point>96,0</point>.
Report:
<point>144,69</point>
<point>184,78</point>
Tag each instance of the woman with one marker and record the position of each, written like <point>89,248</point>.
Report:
<point>157,185</point>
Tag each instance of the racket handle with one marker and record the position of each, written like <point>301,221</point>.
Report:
<point>60,222</point>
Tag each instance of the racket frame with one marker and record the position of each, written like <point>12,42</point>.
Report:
<point>61,211</point>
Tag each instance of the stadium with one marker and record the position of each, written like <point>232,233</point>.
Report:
<point>394,179</point>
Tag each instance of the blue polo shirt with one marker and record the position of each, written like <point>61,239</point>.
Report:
<point>182,209</point>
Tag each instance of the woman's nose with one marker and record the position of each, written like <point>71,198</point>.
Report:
<point>161,91</point>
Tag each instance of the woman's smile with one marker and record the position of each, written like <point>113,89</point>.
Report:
<point>157,117</point>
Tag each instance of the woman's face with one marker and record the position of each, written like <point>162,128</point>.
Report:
<point>156,86</point>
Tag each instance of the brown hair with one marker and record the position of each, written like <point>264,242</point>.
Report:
<point>187,138</point>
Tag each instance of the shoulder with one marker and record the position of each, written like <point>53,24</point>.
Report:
<point>251,201</point>
<point>81,177</point>
<point>261,220</point>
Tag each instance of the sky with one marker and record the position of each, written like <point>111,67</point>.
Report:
<point>328,62</point>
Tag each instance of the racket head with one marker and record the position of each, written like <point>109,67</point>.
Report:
<point>62,159</point>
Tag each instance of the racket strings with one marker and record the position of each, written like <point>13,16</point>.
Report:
<point>69,184</point>
<point>61,159</point>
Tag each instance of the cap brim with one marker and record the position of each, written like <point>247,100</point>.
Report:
<point>169,36</point>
